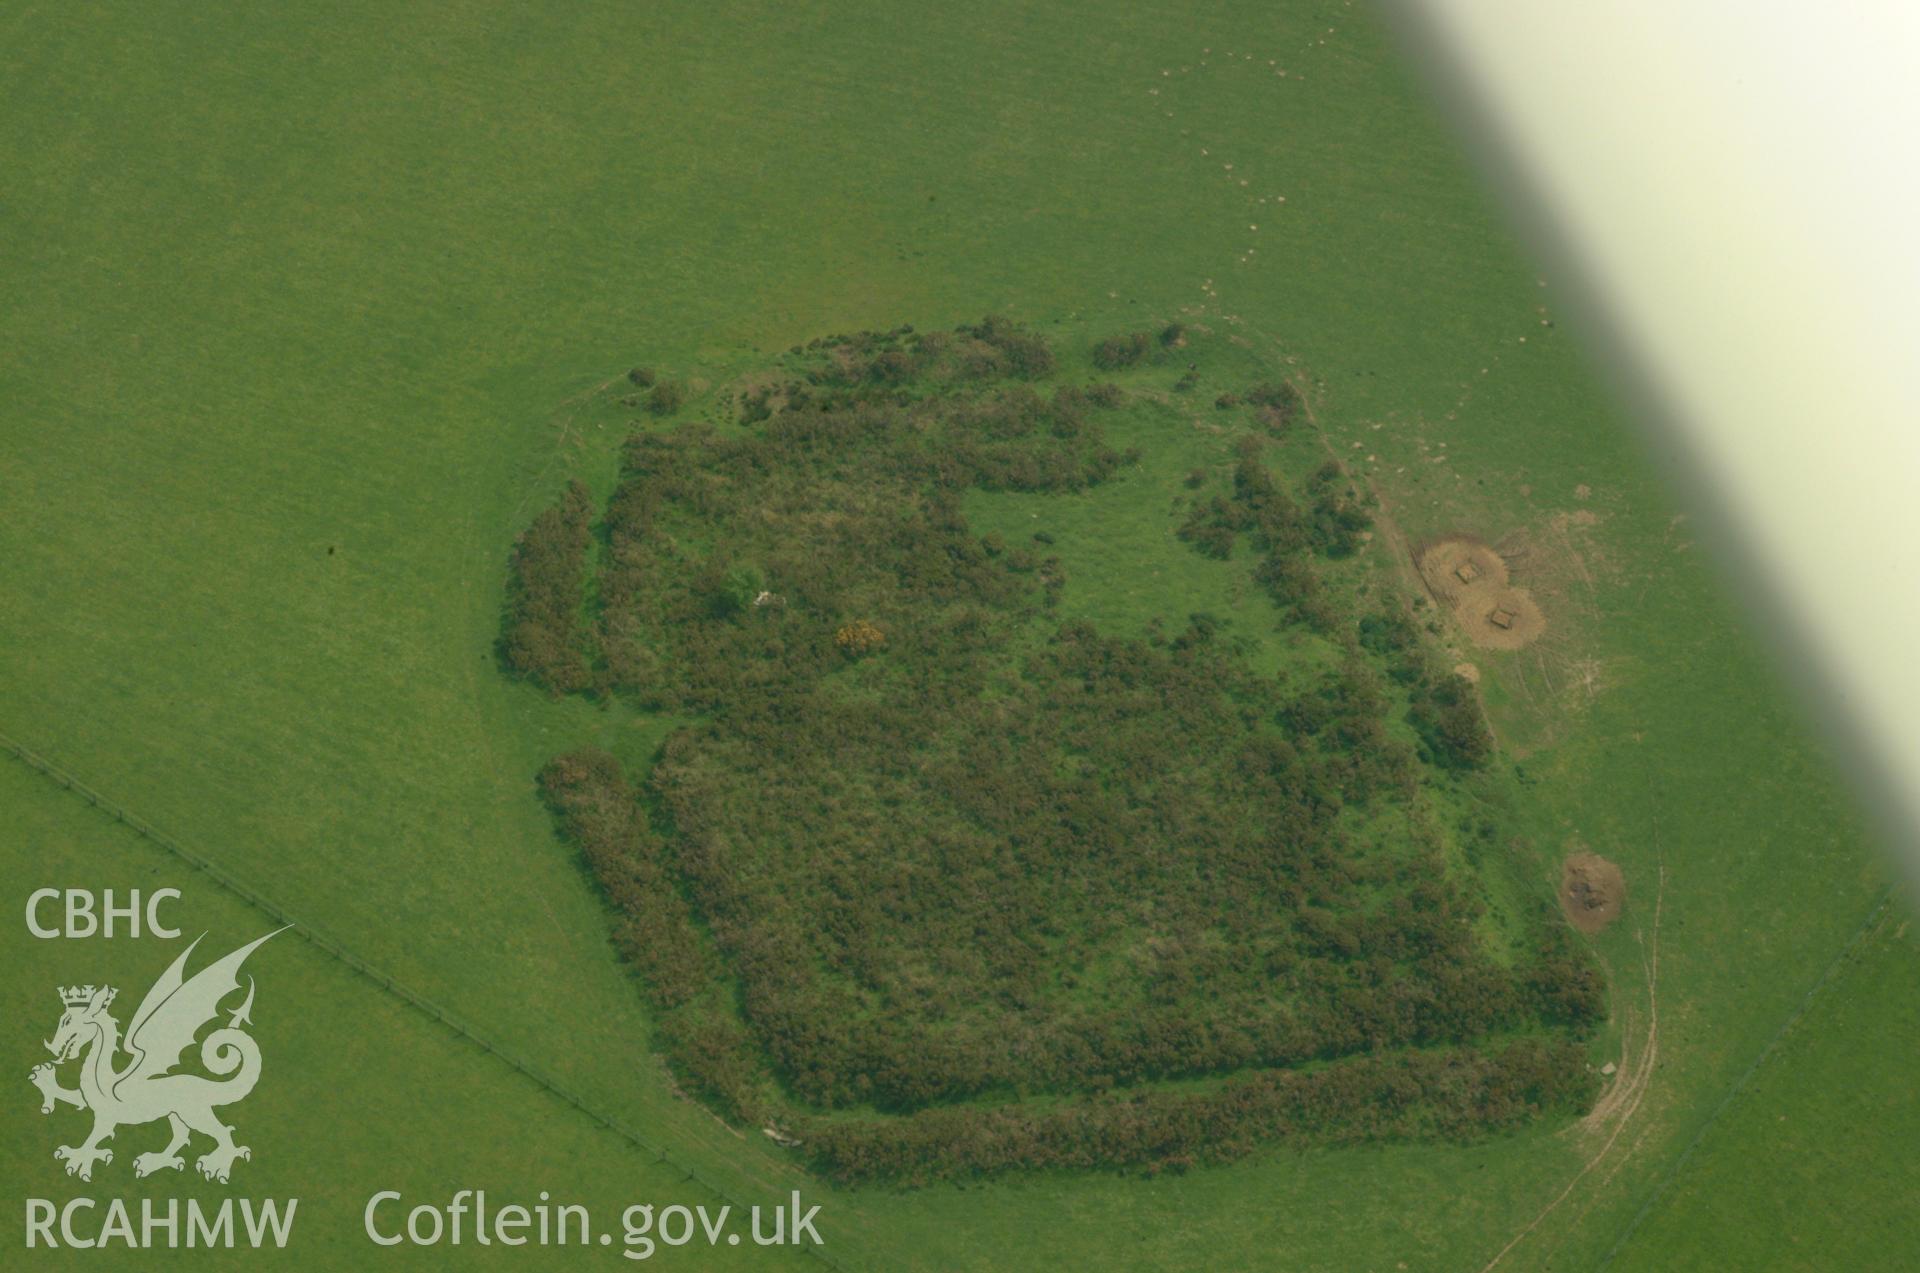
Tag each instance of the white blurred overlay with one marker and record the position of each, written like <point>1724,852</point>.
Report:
<point>1735,187</point>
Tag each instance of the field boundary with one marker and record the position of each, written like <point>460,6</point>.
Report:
<point>332,948</point>
<point>1875,914</point>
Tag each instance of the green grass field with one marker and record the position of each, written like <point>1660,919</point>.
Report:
<point>1831,1095</point>
<point>305,314</point>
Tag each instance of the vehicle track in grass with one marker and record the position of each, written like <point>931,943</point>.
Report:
<point>1875,914</point>
<point>1622,1100</point>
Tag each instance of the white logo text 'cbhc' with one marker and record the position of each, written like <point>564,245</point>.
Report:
<point>81,919</point>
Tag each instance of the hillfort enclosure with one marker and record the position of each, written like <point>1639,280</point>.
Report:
<point>938,879</point>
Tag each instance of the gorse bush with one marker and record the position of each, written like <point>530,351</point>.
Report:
<point>859,637</point>
<point>667,397</point>
<point>1117,352</point>
<point>1276,404</point>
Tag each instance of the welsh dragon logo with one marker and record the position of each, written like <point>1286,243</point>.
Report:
<point>146,1088</point>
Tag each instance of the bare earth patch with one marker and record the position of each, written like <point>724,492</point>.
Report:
<point>1508,619</point>
<point>1473,583</point>
<point>1592,891</point>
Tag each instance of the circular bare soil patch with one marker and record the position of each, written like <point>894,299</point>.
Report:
<point>1472,581</point>
<point>1500,618</point>
<point>1453,566</point>
<point>1592,891</point>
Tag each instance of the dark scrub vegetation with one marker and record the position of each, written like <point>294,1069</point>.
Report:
<point>543,638</point>
<point>942,883</point>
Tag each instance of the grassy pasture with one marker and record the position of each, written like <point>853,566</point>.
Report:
<point>1831,1111</point>
<point>359,1092</point>
<point>303,309</point>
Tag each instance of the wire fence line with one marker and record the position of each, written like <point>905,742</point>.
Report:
<point>331,947</point>
<point>1882,905</point>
